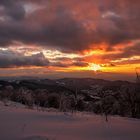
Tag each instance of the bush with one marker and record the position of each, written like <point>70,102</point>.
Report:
<point>53,100</point>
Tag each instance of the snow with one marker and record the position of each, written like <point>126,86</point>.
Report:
<point>20,123</point>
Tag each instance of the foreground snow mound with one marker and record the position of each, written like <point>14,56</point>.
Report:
<point>20,123</point>
<point>11,104</point>
<point>36,138</point>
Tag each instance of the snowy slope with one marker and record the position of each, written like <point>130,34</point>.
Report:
<point>19,123</point>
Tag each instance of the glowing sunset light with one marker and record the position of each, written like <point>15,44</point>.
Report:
<point>70,36</point>
<point>95,67</point>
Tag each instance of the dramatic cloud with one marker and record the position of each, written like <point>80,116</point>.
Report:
<point>65,26</point>
<point>10,59</point>
<point>131,53</point>
<point>69,33</point>
<point>13,9</point>
<point>69,64</point>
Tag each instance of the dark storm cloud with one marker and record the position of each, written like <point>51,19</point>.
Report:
<point>67,28</point>
<point>127,52</point>
<point>13,8</point>
<point>126,20</point>
<point>67,62</point>
<point>10,59</point>
<point>66,65</point>
<point>132,51</point>
<point>80,64</point>
<point>63,33</point>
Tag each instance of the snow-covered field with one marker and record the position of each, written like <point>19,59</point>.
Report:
<point>19,123</point>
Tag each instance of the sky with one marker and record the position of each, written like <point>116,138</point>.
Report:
<point>70,38</point>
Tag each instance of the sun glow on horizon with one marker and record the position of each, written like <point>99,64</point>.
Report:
<point>95,67</point>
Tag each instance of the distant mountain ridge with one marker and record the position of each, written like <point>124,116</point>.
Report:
<point>65,84</point>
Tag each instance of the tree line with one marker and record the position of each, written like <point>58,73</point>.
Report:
<point>124,101</point>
